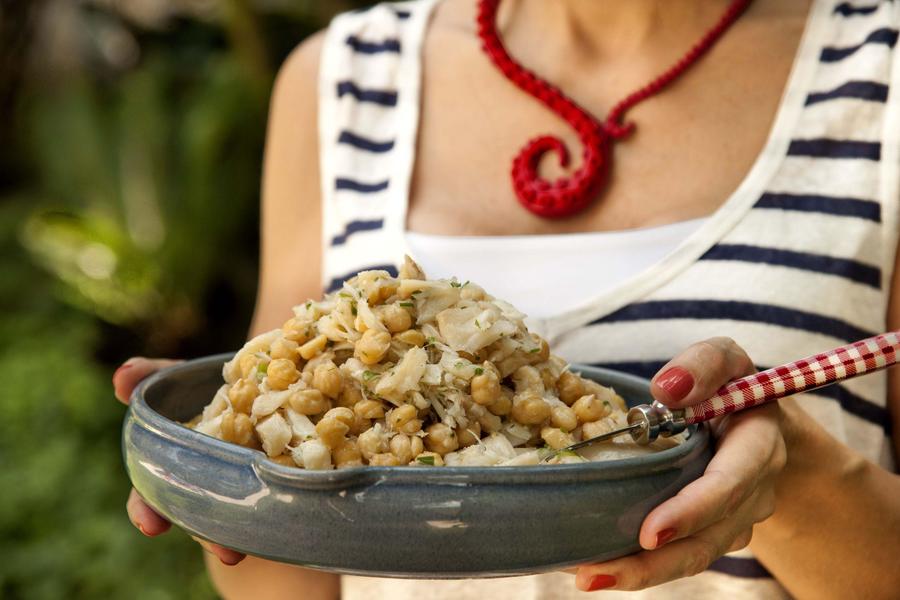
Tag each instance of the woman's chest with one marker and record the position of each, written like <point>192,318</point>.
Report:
<point>693,146</point>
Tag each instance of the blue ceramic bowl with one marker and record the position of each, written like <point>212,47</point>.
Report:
<point>421,522</point>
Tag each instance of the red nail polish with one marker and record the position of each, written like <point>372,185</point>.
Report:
<point>601,582</point>
<point>144,531</point>
<point>664,536</point>
<point>677,383</point>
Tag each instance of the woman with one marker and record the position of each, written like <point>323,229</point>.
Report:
<point>756,200</point>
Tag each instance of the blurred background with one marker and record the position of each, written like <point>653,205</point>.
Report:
<point>131,141</point>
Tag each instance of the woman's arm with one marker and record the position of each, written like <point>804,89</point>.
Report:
<point>836,530</point>
<point>290,272</point>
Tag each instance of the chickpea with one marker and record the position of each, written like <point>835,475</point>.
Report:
<point>503,404</point>
<point>372,346</point>
<point>285,348</point>
<point>436,459</point>
<point>588,408</point>
<point>248,365</point>
<point>242,394</point>
<point>563,417</point>
<point>529,408</point>
<point>548,380</point>
<point>313,347</point>
<point>327,379</point>
<point>571,387</point>
<point>485,388</point>
<point>237,428</point>
<point>282,373</point>
<point>370,443</point>
<point>595,428</point>
<point>555,438</point>
<point>441,439</point>
<point>331,431</point>
<point>395,318</point>
<point>401,415</point>
<point>309,402</point>
<point>297,331</point>
<point>469,435</point>
<point>412,337</point>
<point>283,459</point>
<point>342,414</point>
<point>369,409</point>
<point>347,454</point>
<point>416,446</point>
<point>384,459</point>
<point>350,396</point>
<point>528,379</point>
<point>401,447</point>
<point>359,425</point>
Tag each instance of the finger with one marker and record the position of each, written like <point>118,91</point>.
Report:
<point>143,517</point>
<point>132,372</point>
<point>752,450</point>
<point>226,555</point>
<point>648,568</point>
<point>741,541</point>
<point>696,374</point>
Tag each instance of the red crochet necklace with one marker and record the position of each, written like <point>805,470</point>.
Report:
<point>568,195</point>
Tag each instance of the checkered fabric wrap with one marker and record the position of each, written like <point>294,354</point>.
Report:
<point>864,356</point>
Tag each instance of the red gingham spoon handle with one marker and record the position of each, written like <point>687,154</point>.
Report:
<point>858,358</point>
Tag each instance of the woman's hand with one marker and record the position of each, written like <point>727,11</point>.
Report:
<point>714,514</point>
<point>142,516</point>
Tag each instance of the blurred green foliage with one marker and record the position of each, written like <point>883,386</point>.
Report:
<point>128,226</point>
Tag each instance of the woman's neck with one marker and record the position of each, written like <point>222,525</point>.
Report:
<point>597,28</point>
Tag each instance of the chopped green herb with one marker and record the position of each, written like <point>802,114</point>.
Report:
<point>407,304</point>
<point>262,367</point>
<point>367,375</point>
<point>455,284</point>
<point>415,292</point>
<point>353,308</point>
<point>459,364</point>
<point>546,452</point>
<point>534,351</point>
<point>425,460</point>
<point>466,283</point>
<point>344,295</point>
<point>479,370</point>
<point>430,340</point>
<point>308,304</point>
<point>477,324</point>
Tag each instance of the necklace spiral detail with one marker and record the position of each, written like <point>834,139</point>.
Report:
<point>569,195</point>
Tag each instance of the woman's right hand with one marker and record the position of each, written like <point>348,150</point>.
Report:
<point>142,516</point>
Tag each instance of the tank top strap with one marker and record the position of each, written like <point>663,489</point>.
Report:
<point>369,92</point>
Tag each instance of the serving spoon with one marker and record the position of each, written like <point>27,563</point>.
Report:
<point>647,422</point>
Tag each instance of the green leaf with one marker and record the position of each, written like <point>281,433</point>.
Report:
<point>425,460</point>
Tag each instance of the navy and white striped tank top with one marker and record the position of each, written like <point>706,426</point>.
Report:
<point>798,260</point>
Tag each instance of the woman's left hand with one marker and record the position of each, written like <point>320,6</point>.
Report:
<point>714,514</point>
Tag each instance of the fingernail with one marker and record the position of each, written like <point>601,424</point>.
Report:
<point>141,528</point>
<point>677,383</point>
<point>601,582</point>
<point>664,536</point>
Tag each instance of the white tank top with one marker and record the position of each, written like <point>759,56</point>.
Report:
<point>797,260</point>
<point>546,272</point>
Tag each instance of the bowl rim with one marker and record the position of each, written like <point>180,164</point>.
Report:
<point>142,414</point>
